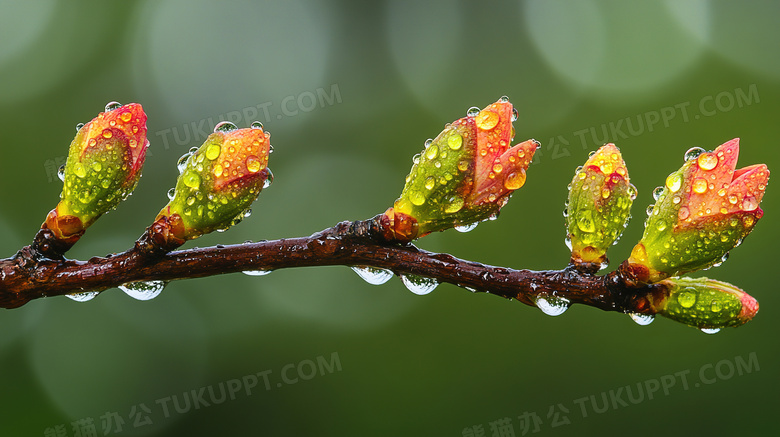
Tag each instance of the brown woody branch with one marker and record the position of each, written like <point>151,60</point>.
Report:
<point>29,275</point>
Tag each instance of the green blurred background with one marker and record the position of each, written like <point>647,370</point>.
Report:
<point>350,91</point>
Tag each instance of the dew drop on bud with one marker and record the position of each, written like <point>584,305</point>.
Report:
<point>674,182</point>
<point>248,213</point>
<point>225,126</point>
<point>707,161</point>
<point>473,111</point>
<point>373,275</point>
<point>693,153</point>
<point>503,99</point>
<point>269,178</point>
<point>632,191</point>
<point>143,290</point>
<point>256,125</point>
<point>642,319</point>
<point>110,106</point>
<point>61,173</point>
<point>79,126</point>
<point>515,115</point>
<point>466,227</point>
<point>181,164</point>
<point>649,210</point>
<point>552,305</point>
<point>83,297</point>
<point>657,192</point>
<point>419,285</point>
<point>256,272</point>
<point>171,193</point>
<point>710,330</point>
<point>749,203</point>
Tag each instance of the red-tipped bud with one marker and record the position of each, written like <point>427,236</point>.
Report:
<point>705,209</point>
<point>218,183</point>
<point>464,175</point>
<point>103,167</point>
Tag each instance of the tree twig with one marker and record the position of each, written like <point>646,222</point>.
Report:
<point>28,275</point>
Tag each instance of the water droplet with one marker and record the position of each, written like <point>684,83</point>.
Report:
<point>503,99</point>
<point>661,225</point>
<point>256,125</point>
<point>419,285</point>
<point>110,106</point>
<point>432,151</point>
<point>83,297</point>
<point>225,126</point>
<point>515,180</point>
<point>707,161</point>
<point>657,192</point>
<point>61,173</point>
<point>253,164</point>
<point>749,203</point>
<point>79,126</point>
<point>716,306</point>
<point>455,141</point>
<point>256,272</point>
<point>605,193</point>
<point>455,204</point>
<point>642,319</point>
<point>683,213</point>
<point>416,198</point>
<point>181,164</point>
<point>143,290</point>
<point>79,170</point>
<point>247,213</point>
<point>212,151</point>
<point>693,153</point>
<point>649,210</point>
<point>700,185</point>
<point>686,298</point>
<point>171,193</point>
<point>466,227</point>
<point>269,179</point>
<point>632,191</point>
<point>218,170</point>
<point>373,275</point>
<point>430,182</point>
<point>515,115</point>
<point>585,221</point>
<point>552,305</point>
<point>191,179</point>
<point>472,112</point>
<point>487,120</point>
<point>710,330</point>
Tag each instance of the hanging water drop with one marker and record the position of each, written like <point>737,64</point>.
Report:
<point>61,173</point>
<point>143,290</point>
<point>83,297</point>
<point>373,275</point>
<point>693,153</point>
<point>181,164</point>
<point>552,305</point>
<point>642,319</point>
<point>419,285</point>
<point>225,126</point>
<point>110,106</point>
<point>269,178</point>
<point>515,115</point>
<point>256,272</point>
<point>710,330</point>
<point>657,192</point>
<point>171,193</point>
<point>466,227</point>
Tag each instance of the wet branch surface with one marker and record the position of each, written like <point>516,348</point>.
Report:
<point>28,275</point>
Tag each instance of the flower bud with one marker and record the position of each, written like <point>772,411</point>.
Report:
<point>704,210</point>
<point>103,167</point>
<point>217,184</point>
<point>464,175</point>
<point>600,198</point>
<point>705,303</point>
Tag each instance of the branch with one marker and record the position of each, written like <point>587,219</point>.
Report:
<point>28,276</point>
